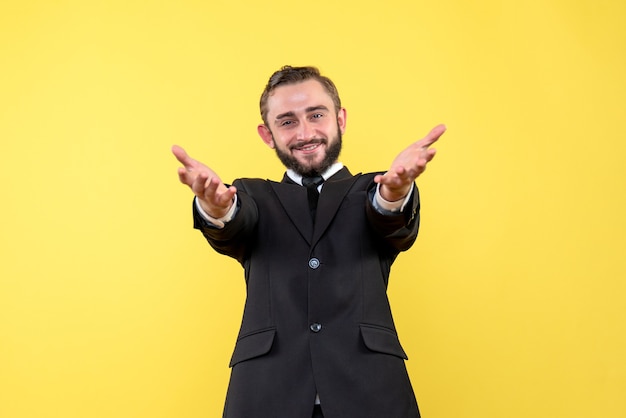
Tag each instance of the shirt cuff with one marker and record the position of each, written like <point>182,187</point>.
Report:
<point>383,205</point>
<point>218,222</point>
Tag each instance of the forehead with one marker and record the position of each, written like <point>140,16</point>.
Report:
<point>298,96</point>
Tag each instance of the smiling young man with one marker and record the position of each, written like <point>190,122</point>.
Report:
<point>304,126</point>
<point>317,337</point>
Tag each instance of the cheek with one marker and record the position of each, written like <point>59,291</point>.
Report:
<point>280,142</point>
<point>332,129</point>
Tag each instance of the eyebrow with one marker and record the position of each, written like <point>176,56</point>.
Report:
<point>307,110</point>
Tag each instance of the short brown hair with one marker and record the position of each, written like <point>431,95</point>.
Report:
<point>293,75</point>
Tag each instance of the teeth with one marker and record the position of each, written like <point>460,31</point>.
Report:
<point>308,147</point>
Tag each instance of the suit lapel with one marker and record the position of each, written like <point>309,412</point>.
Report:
<point>293,198</point>
<point>333,192</point>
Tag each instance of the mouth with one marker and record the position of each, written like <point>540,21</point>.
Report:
<point>308,147</point>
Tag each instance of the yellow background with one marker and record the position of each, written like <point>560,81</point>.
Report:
<point>511,304</point>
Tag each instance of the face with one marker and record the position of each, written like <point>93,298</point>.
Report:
<point>304,127</point>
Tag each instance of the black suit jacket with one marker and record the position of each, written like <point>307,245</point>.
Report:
<point>317,319</point>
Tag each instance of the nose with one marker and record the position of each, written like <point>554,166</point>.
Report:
<point>305,131</point>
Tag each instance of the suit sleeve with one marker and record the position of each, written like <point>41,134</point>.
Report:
<point>235,237</point>
<point>398,230</point>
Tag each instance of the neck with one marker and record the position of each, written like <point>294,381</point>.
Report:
<point>328,173</point>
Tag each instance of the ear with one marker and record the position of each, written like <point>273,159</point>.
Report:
<point>266,135</point>
<point>341,119</point>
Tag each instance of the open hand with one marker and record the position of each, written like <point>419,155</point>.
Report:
<point>213,195</point>
<point>407,166</point>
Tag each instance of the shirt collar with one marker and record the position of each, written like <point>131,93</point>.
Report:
<point>330,171</point>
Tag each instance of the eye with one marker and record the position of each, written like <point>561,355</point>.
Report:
<point>286,123</point>
<point>317,115</point>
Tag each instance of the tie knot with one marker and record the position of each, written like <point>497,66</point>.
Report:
<point>312,182</point>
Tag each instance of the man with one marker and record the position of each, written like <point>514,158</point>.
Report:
<point>317,336</point>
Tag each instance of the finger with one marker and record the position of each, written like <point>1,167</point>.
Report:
<point>392,178</point>
<point>429,154</point>
<point>432,136</point>
<point>383,178</point>
<point>227,197</point>
<point>183,176</point>
<point>404,174</point>
<point>198,186</point>
<point>210,188</point>
<point>182,156</point>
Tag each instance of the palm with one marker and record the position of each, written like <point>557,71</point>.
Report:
<point>213,195</point>
<point>408,165</point>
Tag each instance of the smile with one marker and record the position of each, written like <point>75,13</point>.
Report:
<point>307,147</point>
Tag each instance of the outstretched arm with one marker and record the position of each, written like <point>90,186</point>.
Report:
<point>213,195</point>
<point>396,183</point>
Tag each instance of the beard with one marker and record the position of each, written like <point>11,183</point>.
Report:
<point>332,154</point>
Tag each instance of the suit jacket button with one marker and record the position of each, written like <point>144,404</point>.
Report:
<point>314,263</point>
<point>315,327</point>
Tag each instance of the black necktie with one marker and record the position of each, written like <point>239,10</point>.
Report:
<point>311,184</point>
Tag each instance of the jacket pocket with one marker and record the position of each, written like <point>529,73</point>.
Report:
<point>382,340</point>
<point>253,345</point>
